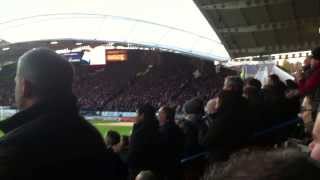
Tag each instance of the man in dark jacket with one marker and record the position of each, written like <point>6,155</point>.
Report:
<point>172,141</point>
<point>231,127</point>
<point>48,138</point>
<point>144,144</point>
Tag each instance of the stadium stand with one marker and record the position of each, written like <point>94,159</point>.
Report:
<point>49,137</point>
<point>122,86</point>
<point>264,117</point>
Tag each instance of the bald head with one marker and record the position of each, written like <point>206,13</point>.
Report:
<point>42,73</point>
<point>145,175</point>
<point>211,106</point>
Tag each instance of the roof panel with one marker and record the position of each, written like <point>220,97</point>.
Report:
<point>306,9</point>
<point>282,12</point>
<point>257,15</point>
<point>265,26</point>
<point>233,18</point>
<point>265,38</point>
<point>245,40</point>
<point>288,37</point>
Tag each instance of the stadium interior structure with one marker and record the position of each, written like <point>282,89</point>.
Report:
<point>253,28</point>
<point>246,28</point>
<point>155,76</point>
<point>145,62</point>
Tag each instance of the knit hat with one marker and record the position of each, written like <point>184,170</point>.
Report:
<point>194,106</point>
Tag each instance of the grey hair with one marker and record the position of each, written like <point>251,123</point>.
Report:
<point>281,164</point>
<point>48,72</point>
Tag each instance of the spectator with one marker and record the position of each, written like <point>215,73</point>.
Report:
<point>274,101</point>
<point>293,102</point>
<point>113,141</point>
<point>291,85</point>
<point>211,111</point>
<point>307,66</point>
<point>172,140</point>
<point>211,106</point>
<point>274,80</point>
<point>124,148</point>
<point>279,111</point>
<point>113,147</point>
<point>146,175</point>
<point>48,134</point>
<point>144,144</point>
<point>253,83</point>
<point>256,104</point>
<point>314,146</point>
<point>194,110</point>
<point>233,83</point>
<point>193,126</point>
<point>231,127</point>
<point>306,115</point>
<point>309,84</point>
<point>283,164</point>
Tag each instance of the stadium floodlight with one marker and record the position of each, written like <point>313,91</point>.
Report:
<point>79,43</point>
<point>5,49</point>
<point>54,42</point>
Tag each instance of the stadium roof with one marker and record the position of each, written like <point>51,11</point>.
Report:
<point>167,24</point>
<point>258,27</point>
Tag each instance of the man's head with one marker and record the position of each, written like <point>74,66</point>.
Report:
<point>314,146</point>
<point>166,114</point>
<point>113,140</point>
<point>253,83</point>
<point>194,106</point>
<point>211,106</point>
<point>145,175</point>
<point>233,83</point>
<point>42,74</point>
<point>315,60</point>
<point>282,164</point>
<point>273,80</point>
<point>307,61</point>
<point>250,92</point>
<point>146,112</point>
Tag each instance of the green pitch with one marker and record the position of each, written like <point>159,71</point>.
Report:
<point>104,127</point>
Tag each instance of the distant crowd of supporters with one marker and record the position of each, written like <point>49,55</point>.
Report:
<point>244,131</point>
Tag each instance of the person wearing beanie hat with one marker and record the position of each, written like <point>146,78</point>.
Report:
<point>310,85</point>
<point>193,125</point>
<point>194,106</point>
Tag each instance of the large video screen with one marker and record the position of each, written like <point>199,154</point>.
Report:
<point>73,56</point>
<point>116,55</point>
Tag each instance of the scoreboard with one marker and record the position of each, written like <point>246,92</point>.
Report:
<point>116,55</point>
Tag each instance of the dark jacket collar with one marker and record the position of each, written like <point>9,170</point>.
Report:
<point>65,105</point>
<point>168,124</point>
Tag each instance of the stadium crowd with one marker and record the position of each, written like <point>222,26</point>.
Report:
<point>141,79</point>
<point>220,140</point>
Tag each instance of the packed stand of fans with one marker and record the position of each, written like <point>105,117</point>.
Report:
<point>172,81</point>
<point>244,115</point>
<point>216,140</point>
<point>148,76</point>
<point>95,89</point>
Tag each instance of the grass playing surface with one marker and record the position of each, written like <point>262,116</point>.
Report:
<point>123,128</point>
